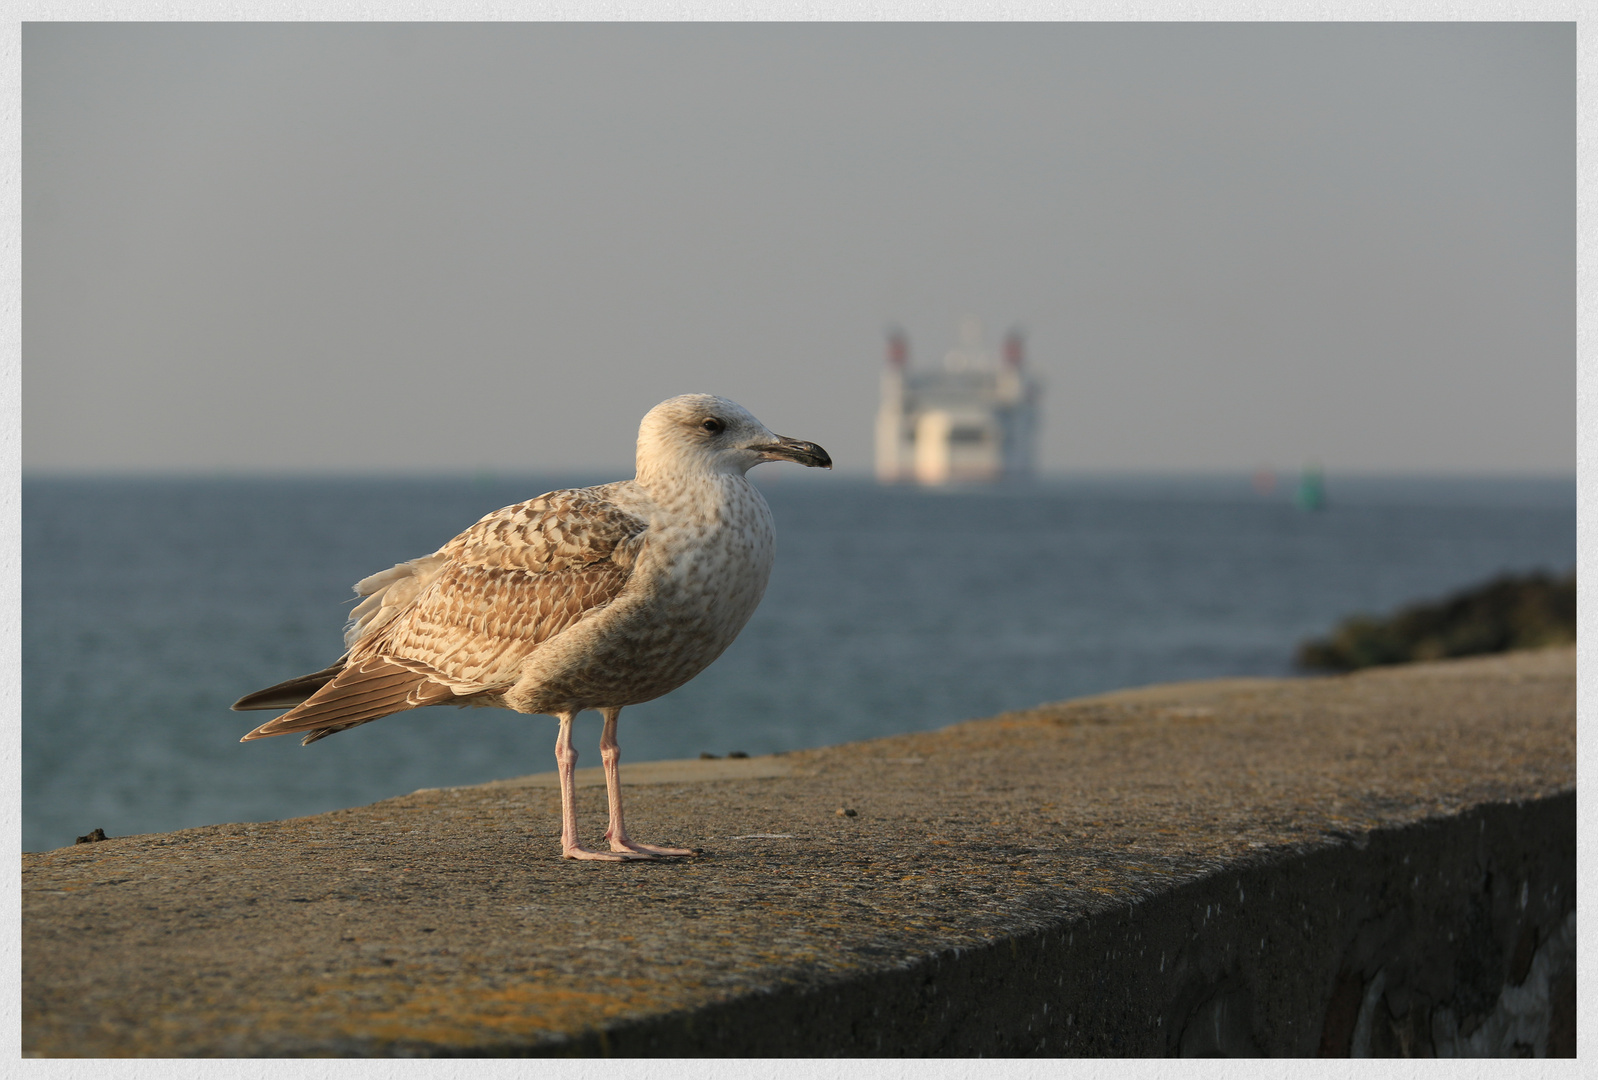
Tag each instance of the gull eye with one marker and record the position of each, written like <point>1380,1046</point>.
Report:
<point>714,426</point>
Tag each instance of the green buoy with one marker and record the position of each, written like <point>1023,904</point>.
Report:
<point>1311,493</point>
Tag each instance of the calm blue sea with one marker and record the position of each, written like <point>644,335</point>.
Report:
<point>150,605</point>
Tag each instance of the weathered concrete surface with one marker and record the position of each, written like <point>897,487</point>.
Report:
<point>1375,863</point>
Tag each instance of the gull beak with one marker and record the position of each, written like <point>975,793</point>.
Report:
<point>786,449</point>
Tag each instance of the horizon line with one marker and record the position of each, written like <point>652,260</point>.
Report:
<point>492,472</point>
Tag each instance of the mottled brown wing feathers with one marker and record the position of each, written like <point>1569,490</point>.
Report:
<point>476,625</point>
<point>491,596</point>
<point>511,582</point>
<point>557,531</point>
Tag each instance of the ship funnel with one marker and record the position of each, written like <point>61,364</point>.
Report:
<point>898,350</point>
<point>1014,349</point>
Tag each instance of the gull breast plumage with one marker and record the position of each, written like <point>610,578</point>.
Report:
<point>589,598</point>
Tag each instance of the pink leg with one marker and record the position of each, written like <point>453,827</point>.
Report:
<point>610,754</point>
<point>566,761</point>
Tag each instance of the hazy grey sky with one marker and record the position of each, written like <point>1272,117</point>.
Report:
<point>432,246</point>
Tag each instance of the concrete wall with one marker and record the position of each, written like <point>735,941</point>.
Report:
<point>1391,946</point>
<point>1374,864</point>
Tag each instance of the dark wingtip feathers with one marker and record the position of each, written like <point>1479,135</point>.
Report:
<point>286,695</point>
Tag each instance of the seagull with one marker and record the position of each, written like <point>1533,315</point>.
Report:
<point>585,598</point>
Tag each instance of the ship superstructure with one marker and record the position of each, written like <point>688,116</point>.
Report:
<point>973,421</point>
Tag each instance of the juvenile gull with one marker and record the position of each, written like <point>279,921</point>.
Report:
<point>588,598</point>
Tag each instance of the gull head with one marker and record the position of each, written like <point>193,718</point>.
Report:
<point>701,434</point>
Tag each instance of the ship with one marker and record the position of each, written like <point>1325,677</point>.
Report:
<point>973,421</point>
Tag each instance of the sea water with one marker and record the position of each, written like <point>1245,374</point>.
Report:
<point>150,605</point>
